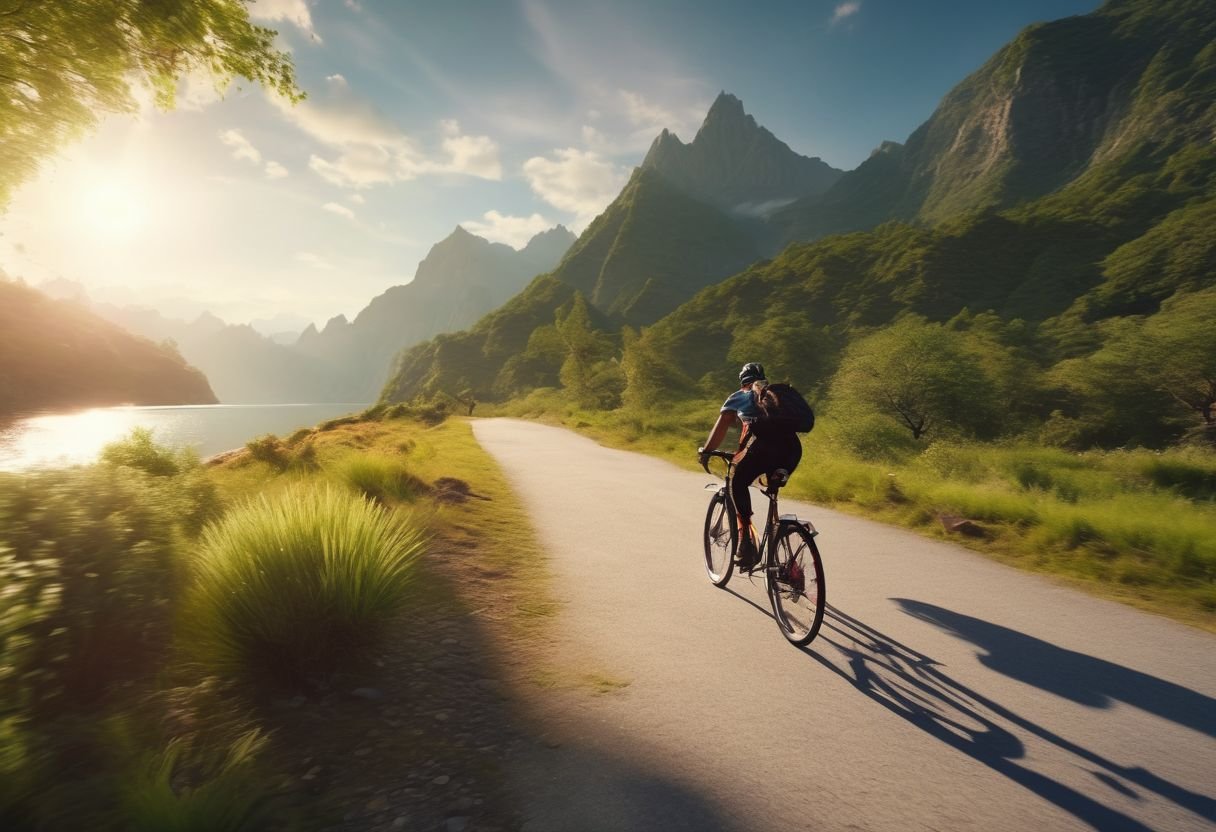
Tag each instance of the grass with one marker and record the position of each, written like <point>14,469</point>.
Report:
<point>291,586</point>
<point>1135,525</point>
<point>381,478</point>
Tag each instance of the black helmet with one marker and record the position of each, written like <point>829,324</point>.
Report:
<point>751,372</point>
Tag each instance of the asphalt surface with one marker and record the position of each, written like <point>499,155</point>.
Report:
<point>944,692</point>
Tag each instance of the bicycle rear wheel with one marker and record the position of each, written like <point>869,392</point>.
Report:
<point>720,537</point>
<point>795,584</point>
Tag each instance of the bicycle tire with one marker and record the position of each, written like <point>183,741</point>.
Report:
<point>794,580</point>
<point>720,539</point>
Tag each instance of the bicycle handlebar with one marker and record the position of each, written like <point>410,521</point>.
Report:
<point>720,454</point>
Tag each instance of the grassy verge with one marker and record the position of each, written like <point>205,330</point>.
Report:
<point>1134,525</point>
<point>381,556</point>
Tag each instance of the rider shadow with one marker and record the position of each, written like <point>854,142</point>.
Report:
<point>915,688</point>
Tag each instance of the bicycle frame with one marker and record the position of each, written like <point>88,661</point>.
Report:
<point>773,520</point>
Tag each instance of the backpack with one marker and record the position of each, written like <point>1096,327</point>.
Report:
<point>782,410</point>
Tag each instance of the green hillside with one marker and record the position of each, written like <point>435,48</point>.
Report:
<point>653,248</point>
<point>56,354</point>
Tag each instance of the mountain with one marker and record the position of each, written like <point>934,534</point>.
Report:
<point>243,365</point>
<point>1097,94</point>
<point>736,165</point>
<point>58,354</point>
<point>1070,181</point>
<point>653,248</point>
<point>461,279</point>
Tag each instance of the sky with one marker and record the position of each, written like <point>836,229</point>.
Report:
<point>504,116</point>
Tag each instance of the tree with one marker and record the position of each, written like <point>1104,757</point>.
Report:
<point>925,376</point>
<point>1148,373</point>
<point>587,371</point>
<point>1180,352</point>
<point>63,63</point>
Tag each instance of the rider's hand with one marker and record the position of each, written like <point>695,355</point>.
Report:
<point>702,456</point>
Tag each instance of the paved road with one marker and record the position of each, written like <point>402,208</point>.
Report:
<point>945,692</point>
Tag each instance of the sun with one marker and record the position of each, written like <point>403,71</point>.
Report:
<point>113,209</point>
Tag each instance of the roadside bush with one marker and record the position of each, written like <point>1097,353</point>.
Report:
<point>269,449</point>
<point>87,562</point>
<point>381,478</point>
<point>291,588</point>
<point>191,789</point>
<point>140,452</point>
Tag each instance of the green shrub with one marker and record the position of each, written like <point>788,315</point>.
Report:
<point>289,588</point>
<point>185,789</point>
<point>381,478</point>
<point>1192,476</point>
<point>140,452</point>
<point>269,449</point>
<point>88,565</point>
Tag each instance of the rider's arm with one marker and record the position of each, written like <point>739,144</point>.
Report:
<point>726,419</point>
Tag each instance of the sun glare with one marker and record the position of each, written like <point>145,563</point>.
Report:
<point>113,209</point>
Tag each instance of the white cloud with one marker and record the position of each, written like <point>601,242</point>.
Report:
<point>471,155</point>
<point>357,199</point>
<point>275,171</point>
<point>294,12</point>
<point>504,228</point>
<point>242,148</point>
<point>353,5</point>
<point>579,181</point>
<point>844,10</point>
<point>339,209</point>
<point>316,261</point>
<point>371,150</point>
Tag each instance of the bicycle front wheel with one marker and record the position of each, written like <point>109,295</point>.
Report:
<point>795,584</point>
<point>719,540</point>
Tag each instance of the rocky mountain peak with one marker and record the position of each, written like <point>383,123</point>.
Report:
<point>735,164</point>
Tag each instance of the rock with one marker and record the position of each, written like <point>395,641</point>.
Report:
<point>961,525</point>
<point>371,694</point>
<point>400,821</point>
<point>442,780</point>
<point>448,642</point>
<point>362,752</point>
<point>464,804</point>
<point>456,824</point>
<point>377,804</point>
<point>441,716</point>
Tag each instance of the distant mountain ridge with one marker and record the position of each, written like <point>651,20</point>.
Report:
<point>462,278</point>
<point>58,354</point>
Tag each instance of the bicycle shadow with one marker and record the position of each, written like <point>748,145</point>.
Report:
<point>913,686</point>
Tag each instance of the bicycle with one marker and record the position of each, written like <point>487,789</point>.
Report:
<point>793,569</point>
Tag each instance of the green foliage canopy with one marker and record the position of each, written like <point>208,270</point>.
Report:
<point>926,376</point>
<point>64,63</point>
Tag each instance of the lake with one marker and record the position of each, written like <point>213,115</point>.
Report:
<point>68,438</point>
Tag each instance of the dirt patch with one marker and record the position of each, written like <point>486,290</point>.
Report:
<point>452,490</point>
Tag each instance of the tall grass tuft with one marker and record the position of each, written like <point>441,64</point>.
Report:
<point>381,478</point>
<point>182,790</point>
<point>287,589</point>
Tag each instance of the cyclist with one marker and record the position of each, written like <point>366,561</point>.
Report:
<point>757,454</point>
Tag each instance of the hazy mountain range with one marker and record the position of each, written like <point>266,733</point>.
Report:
<point>462,278</point>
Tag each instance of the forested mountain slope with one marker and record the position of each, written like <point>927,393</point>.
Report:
<point>57,354</point>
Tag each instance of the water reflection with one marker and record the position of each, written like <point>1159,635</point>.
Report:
<point>47,439</point>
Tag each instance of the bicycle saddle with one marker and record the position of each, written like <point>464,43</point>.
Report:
<point>778,478</point>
